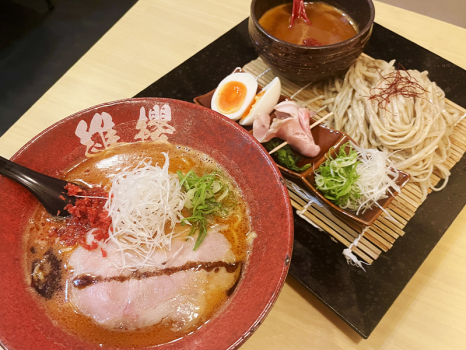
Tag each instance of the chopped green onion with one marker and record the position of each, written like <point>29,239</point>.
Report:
<point>204,195</point>
<point>336,178</point>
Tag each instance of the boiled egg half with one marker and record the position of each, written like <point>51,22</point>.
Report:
<point>234,95</point>
<point>264,102</point>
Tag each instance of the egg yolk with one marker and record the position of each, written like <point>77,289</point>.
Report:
<point>253,103</point>
<point>231,97</point>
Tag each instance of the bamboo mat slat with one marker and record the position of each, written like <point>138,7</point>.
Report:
<point>458,142</point>
<point>391,226</point>
<point>384,245</point>
<point>458,136</point>
<point>456,149</point>
<point>461,126</point>
<point>398,218</point>
<point>400,211</point>
<point>400,203</point>
<point>455,156</point>
<point>382,235</point>
<point>390,238</point>
<point>455,106</point>
<point>413,189</point>
<point>381,226</point>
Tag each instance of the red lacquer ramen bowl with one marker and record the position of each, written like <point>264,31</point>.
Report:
<point>23,322</point>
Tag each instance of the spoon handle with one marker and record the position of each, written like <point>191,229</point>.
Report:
<point>46,189</point>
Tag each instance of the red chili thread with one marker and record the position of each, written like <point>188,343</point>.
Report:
<point>298,11</point>
<point>397,85</point>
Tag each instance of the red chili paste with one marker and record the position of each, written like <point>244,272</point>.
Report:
<point>311,42</point>
<point>87,213</point>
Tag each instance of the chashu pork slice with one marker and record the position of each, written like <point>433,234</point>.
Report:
<point>291,123</point>
<point>170,291</point>
<point>214,248</point>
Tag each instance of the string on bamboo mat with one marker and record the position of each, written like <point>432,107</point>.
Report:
<point>262,74</point>
<point>300,90</point>
<point>352,259</point>
<point>305,195</point>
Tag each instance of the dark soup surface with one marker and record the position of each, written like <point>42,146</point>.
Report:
<point>328,25</point>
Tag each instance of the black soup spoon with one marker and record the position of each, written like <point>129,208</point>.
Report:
<point>48,190</point>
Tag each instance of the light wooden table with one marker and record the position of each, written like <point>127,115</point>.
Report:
<point>154,37</point>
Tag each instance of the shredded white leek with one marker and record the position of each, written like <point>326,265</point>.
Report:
<point>357,180</point>
<point>145,205</point>
<point>377,176</point>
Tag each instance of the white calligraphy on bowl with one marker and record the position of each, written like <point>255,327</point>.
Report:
<point>155,125</point>
<point>102,125</point>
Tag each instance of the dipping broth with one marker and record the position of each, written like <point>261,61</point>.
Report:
<point>218,278</point>
<point>328,25</point>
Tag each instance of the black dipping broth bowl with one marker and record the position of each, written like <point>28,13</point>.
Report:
<point>304,64</point>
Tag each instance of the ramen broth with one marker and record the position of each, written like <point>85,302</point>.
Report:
<point>97,171</point>
<point>328,25</point>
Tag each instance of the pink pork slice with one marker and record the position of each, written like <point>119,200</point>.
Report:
<point>179,298</point>
<point>290,124</point>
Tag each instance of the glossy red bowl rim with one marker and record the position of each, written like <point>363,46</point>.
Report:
<point>18,326</point>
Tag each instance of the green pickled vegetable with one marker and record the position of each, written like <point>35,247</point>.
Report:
<point>285,155</point>
<point>336,177</point>
<point>204,197</point>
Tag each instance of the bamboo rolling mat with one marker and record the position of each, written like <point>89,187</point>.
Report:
<point>381,236</point>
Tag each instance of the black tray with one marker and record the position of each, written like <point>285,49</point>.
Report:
<point>361,299</point>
